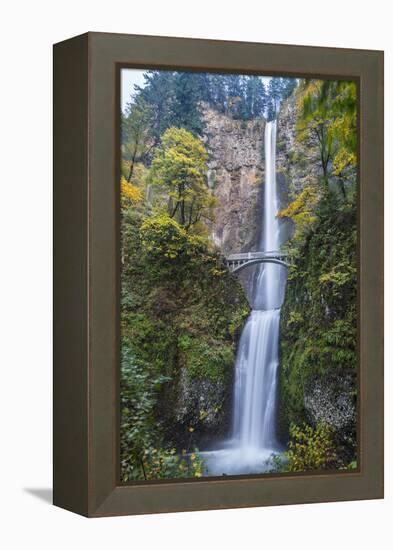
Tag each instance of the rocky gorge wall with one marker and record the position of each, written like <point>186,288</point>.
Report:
<point>235,175</point>
<point>318,318</point>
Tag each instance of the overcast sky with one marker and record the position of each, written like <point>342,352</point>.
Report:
<point>129,77</point>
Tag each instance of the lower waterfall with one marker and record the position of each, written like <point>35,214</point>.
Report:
<point>256,383</point>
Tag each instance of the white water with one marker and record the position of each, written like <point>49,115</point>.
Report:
<point>255,389</point>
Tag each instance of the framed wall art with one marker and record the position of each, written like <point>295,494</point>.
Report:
<point>218,274</point>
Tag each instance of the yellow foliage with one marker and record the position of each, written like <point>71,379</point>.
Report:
<point>301,210</point>
<point>129,191</point>
<point>303,202</point>
<point>178,172</point>
<point>328,109</point>
<point>307,94</point>
<point>343,159</point>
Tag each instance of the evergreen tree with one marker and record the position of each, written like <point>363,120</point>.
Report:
<point>255,97</point>
<point>174,98</point>
<point>217,92</point>
<point>278,90</point>
<point>274,92</point>
<point>249,97</point>
<point>158,92</point>
<point>136,134</point>
<point>188,92</point>
<point>270,109</point>
<point>235,93</point>
<point>287,87</point>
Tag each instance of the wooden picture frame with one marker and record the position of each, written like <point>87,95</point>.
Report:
<point>86,273</point>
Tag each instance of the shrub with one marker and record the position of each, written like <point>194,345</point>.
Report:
<point>309,449</point>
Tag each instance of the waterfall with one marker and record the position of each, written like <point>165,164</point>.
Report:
<point>257,358</point>
<point>256,371</point>
<point>255,383</point>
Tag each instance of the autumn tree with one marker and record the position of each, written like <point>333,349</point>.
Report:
<point>179,170</point>
<point>328,113</point>
<point>341,100</point>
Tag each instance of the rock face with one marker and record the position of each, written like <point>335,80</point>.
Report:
<point>236,176</point>
<point>328,404</point>
<point>205,404</point>
<point>236,173</point>
<point>297,164</point>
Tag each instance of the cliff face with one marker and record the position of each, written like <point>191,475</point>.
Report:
<point>237,177</point>
<point>297,163</point>
<point>236,173</point>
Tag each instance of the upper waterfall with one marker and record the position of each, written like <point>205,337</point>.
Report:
<point>270,237</point>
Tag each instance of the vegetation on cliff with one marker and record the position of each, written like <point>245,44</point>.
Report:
<point>318,324</point>
<point>181,313</point>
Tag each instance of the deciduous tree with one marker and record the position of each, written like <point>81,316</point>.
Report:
<point>179,170</point>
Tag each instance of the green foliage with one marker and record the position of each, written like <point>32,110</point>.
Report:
<point>138,398</point>
<point>278,90</point>
<point>206,359</point>
<point>322,284</point>
<point>179,170</point>
<point>301,211</point>
<point>143,454</point>
<point>309,449</point>
<point>163,236</point>
<point>254,98</point>
<point>174,99</point>
<point>340,276</point>
<point>162,463</point>
<point>328,112</point>
<point>180,309</point>
<point>158,93</point>
<point>319,318</point>
<point>189,90</point>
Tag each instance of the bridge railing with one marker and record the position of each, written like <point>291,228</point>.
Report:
<point>256,255</point>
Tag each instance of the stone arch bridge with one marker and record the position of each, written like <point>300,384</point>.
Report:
<point>237,262</point>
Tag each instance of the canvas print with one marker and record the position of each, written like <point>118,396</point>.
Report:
<point>238,284</point>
